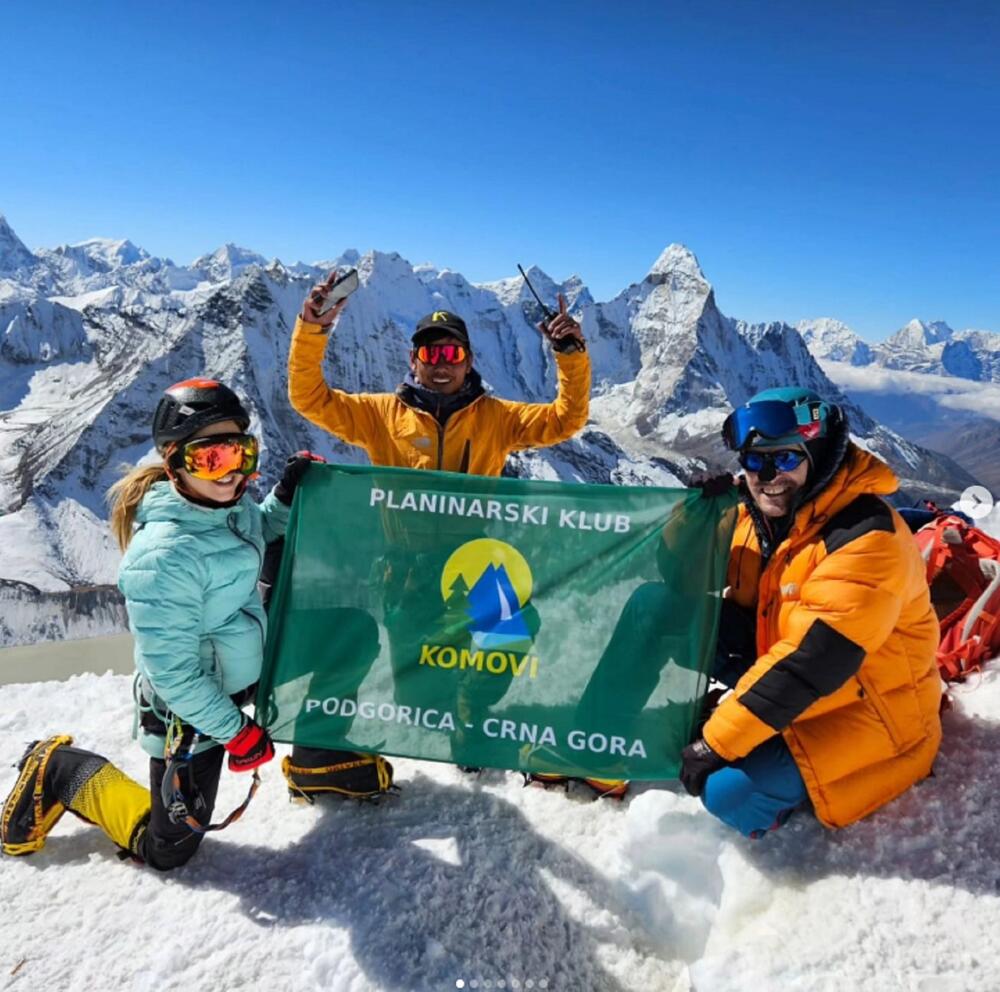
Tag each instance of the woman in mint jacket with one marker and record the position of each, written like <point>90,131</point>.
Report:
<point>194,542</point>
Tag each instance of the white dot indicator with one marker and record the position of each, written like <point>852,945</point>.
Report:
<point>459,983</point>
<point>977,502</point>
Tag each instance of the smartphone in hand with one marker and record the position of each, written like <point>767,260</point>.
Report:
<point>340,290</point>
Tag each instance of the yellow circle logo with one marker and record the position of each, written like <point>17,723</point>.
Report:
<point>490,561</point>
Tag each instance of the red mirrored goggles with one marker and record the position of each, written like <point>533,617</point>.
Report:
<point>446,354</point>
<point>214,457</point>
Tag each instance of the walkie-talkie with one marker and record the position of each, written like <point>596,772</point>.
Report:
<point>564,344</point>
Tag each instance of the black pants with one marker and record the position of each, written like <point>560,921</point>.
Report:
<point>169,845</point>
<point>736,649</point>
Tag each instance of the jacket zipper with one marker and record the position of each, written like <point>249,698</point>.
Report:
<point>878,704</point>
<point>260,564</point>
<point>256,620</point>
<point>246,540</point>
<point>466,455</point>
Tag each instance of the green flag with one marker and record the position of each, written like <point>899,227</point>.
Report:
<point>504,623</point>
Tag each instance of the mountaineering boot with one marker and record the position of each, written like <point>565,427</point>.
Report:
<point>63,778</point>
<point>310,771</point>
<point>31,809</point>
<point>98,792</point>
<point>607,788</point>
<point>546,780</point>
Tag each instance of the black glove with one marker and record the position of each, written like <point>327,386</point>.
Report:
<point>714,485</point>
<point>295,468</point>
<point>568,343</point>
<point>698,761</point>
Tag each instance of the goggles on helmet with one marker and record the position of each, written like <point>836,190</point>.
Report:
<point>436,354</point>
<point>773,461</point>
<point>214,457</point>
<point>777,420</point>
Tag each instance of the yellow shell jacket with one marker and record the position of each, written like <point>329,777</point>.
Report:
<point>846,639</point>
<point>476,439</point>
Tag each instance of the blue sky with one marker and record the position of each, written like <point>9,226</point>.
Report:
<point>820,159</point>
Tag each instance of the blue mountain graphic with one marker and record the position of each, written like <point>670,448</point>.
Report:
<point>494,610</point>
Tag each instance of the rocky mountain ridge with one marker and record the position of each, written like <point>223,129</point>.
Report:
<point>919,346</point>
<point>90,334</point>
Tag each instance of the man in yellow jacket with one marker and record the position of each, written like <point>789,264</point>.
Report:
<point>836,692</point>
<point>440,417</point>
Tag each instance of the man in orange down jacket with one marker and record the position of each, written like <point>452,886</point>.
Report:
<point>828,636</point>
<point>440,417</point>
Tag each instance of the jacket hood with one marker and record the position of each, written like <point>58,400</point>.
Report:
<point>859,472</point>
<point>439,405</point>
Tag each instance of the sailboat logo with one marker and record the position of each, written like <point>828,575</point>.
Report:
<point>490,582</point>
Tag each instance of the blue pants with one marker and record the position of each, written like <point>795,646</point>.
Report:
<point>758,792</point>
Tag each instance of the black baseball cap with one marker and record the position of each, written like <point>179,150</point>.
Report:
<point>440,323</point>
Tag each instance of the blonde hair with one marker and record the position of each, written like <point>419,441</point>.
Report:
<point>126,495</point>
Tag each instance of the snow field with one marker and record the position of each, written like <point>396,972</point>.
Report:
<point>477,879</point>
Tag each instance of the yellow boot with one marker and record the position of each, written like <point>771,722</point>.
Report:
<point>30,810</point>
<point>58,777</point>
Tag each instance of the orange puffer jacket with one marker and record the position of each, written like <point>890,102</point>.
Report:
<point>846,638</point>
<point>477,439</point>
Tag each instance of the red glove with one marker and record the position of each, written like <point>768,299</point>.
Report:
<point>250,748</point>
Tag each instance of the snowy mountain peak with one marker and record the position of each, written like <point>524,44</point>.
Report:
<point>544,284</point>
<point>105,254</point>
<point>14,254</point>
<point>833,340</point>
<point>675,261</point>
<point>918,333</point>
<point>227,262</point>
<point>83,352</point>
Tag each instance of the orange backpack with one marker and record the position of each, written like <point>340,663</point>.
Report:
<point>963,571</point>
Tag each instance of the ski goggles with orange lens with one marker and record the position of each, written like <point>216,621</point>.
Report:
<point>437,354</point>
<point>211,458</point>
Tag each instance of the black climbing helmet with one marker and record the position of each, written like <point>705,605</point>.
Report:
<point>186,407</point>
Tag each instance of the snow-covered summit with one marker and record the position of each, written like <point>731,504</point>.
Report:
<point>929,347</point>
<point>14,255</point>
<point>678,263</point>
<point>96,263</point>
<point>917,333</point>
<point>226,262</point>
<point>93,332</point>
<point>831,339</point>
<point>106,253</point>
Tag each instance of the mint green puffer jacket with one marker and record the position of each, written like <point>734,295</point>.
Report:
<point>189,578</point>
